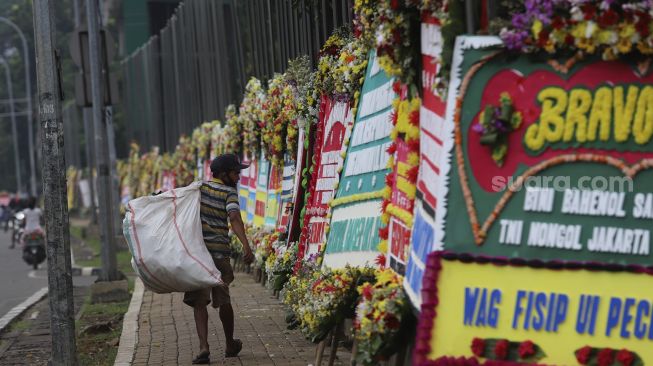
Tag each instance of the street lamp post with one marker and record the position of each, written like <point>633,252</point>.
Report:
<point>19,184</point>
<point>28,81</point>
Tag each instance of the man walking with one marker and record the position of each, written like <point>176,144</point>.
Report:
<point>219,206</point>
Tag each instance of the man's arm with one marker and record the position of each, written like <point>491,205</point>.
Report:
<point>238,227</point>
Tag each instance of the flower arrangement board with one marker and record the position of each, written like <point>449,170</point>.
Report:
<point>243,189</point>
<point>262,180</point>
<point>524,314</point>
<point>432,169</point>
<point>550,162</point>
<point>273,202</point>
<point>287,190</point>
<point>251,190</point>
<point>356,209</point>
<point>335,124</point>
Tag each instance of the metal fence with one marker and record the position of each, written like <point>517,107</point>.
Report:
<point>201,61</point>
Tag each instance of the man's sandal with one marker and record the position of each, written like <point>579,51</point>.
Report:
<point>202,358</point>
<point>238,345</point>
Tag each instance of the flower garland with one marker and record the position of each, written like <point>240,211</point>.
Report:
<point>406,128</point>
<point>280,269</point>
<point>218,139</point>
<point>505,350</point>
<point>302,79</point>
<point>321,299</point>
<point>309,181</point>
<point>606,357</point>
<point>390,25</point>
<point>184,158</point>
<point>380,314</point>
<point>328,62</point>
<point>357,198</point>
<point>234,129</point>
<point>341,67</point>
<point>611,28</point>
<point>264,248</point>
<point>274,125</point>
<point>252,117</point>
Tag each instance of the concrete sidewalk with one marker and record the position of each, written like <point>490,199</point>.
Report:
<point>166,334</point>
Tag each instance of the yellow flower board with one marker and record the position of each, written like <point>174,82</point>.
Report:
<point>560,311</point>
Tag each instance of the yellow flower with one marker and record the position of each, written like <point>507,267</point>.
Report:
<point>624,45</point>
<point>536,28</point>
<point>626,30</point>
<point>383,246</point>
<point>579,30</point>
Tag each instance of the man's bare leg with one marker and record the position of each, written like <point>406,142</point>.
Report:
<point>227,319</point>
<point>202,326</point>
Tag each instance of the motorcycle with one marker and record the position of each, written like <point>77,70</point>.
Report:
<point>34,248</point>
<point>18,227</point>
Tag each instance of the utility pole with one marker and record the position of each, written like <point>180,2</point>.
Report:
<point>109,272</point>
<point>60,284</point>
<point>30,119</point>
<point>19,184</point>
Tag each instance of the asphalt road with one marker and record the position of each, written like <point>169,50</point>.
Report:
<point>18,280</point>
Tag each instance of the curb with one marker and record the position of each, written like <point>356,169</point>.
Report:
<point>129,335</point>
<point>86,271</point>
<point>20,308</point>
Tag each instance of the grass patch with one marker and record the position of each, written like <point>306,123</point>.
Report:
<point>101,348</point>
<point>20,326</point>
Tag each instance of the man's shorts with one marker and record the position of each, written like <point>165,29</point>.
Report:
<point>219,294</point>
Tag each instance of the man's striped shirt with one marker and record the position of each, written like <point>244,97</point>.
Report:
<point>217,201</point>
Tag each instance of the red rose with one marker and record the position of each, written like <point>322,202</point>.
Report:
<point>589,10</point>
<point>583,355</point>
<point>543,38</point>
<point>608,18</point>
<point>392,322</point>
<point>478,347</point>
<point>605,357</point>
<point>501,349</point>
<point>625,357</point>
<point>394,4</point>
<point>526,349</point>
<point>557,23</point>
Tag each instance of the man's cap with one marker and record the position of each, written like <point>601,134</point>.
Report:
<point>227,162</point>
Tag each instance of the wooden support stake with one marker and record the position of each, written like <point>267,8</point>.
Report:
<point>354,350</point>
<point>320,350</point>
<point>334,343</point>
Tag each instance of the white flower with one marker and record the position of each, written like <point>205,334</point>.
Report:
<point>591,27</point>
<point>576,14</point>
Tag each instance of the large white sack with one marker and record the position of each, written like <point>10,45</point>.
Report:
<point>164,234</point>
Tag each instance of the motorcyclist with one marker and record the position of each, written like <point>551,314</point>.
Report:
<point>32,219</point>
<point>5,217</point>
